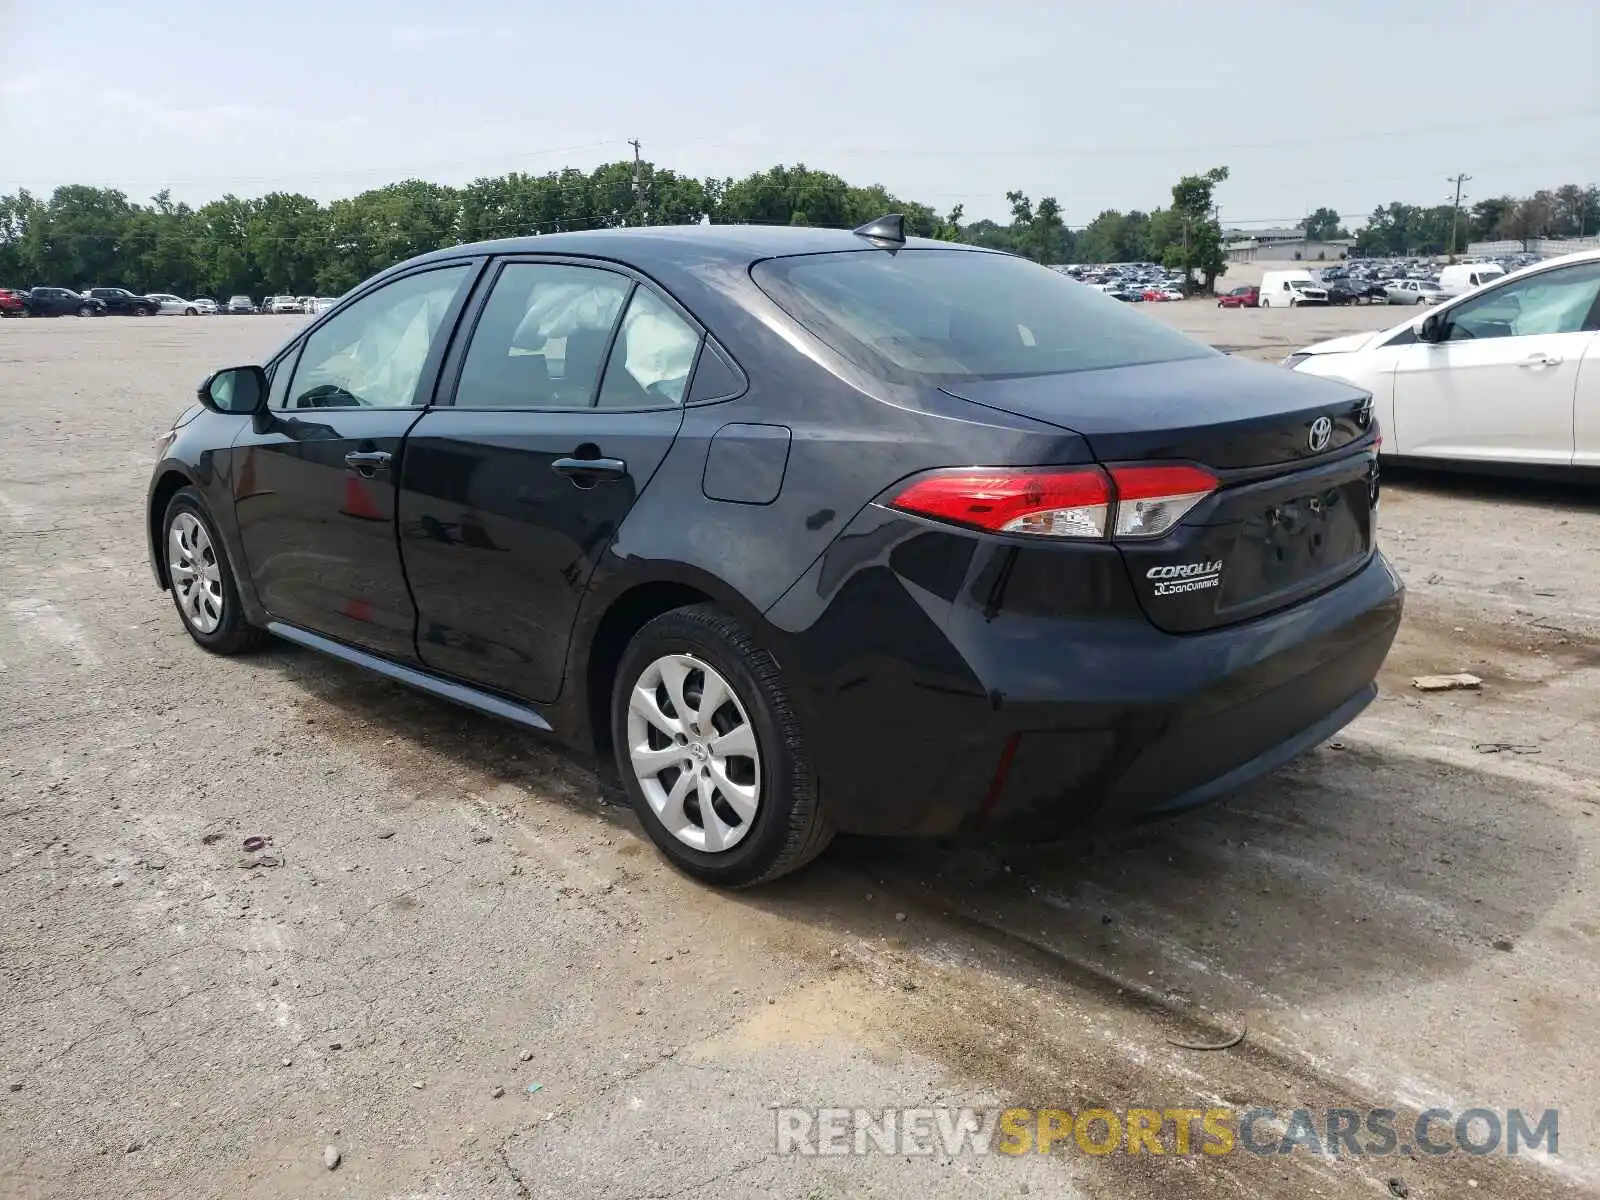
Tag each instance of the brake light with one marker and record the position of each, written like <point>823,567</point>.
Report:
<point>1074,502</point>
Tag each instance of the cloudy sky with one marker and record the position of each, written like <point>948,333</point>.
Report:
<point>1345,103</point>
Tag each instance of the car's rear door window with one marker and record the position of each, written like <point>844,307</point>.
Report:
<point>956,314</point>
<point>653,356</point>
<point>542,339</point>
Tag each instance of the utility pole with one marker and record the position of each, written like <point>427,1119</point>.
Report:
<point>638,182</point>
<point>1455,213</point>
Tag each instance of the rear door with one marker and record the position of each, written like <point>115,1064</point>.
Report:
<point>1586,409</point>
<point>314,476</point>
<point>1501,386</point>
<point>566,397</point>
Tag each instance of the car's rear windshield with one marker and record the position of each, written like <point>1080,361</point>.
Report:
<point>960,314</point>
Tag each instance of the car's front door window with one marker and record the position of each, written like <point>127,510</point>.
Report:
<point>1559,301</point>
<point>371,355</point>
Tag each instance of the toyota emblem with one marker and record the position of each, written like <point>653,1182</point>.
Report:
<point>1321,434</point>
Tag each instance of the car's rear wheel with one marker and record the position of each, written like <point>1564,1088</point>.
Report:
<point>711,751</point>
<point>201,578</point>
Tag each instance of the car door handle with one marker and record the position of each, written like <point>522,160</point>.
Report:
<point>586,472</point>
<point>1541,360</point>
<point>369,462</point>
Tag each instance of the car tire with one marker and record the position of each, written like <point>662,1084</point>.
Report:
<point>191,312</point>
<point>209,605</point>
<point>777,828</point>
<point>1292,302</point>
<point>85,311</point>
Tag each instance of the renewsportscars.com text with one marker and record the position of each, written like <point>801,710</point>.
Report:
<point>1349,1132</point>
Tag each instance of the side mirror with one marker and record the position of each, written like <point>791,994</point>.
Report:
<point>1434,328</point>
<point>238,391</point>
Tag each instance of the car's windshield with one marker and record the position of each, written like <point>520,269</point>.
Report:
<point>961,314</point>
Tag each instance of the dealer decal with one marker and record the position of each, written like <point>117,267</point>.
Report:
<point>1185,577</point>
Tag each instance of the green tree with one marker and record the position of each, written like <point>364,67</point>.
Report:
<point>1483,220</point>
<point>949,229</point>
<point>774,196</point>
<point>19,214</point>
<point>1039,233</point>
<point>1323,226</point>
<point>385,226</point>
<point>286,240</point>
<point>1187,236</point>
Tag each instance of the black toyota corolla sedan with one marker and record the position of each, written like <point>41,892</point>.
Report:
<point>807,530</point>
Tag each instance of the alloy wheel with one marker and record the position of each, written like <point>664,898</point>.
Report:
<point>693,750</point>
<point>196,575</point>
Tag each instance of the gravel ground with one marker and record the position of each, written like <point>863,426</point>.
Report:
<point>447,912</point>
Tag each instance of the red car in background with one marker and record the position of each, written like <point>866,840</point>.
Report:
<point>11,304</point>
<point>1240,297</point>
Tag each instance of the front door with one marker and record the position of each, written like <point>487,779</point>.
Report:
<point>567,398</point>
<point>1501,385</point>
<point>314,476</point>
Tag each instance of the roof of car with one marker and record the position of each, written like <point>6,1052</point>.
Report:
<point>730,243</point>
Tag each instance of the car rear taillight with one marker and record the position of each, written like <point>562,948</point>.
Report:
<point>1068,502</point>
<point>1071,502</point>
<point>1151,500</point>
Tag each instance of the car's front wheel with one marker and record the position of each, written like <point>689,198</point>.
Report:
<point>711,751</point>
<point>85,310</point>
<point>203,586</point>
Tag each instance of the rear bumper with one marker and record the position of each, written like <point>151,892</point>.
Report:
<point>964,717</point>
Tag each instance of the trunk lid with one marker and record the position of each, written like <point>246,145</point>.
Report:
<point>1293,512</point>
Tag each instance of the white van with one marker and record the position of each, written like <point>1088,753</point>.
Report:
<point>1291,289</point>
<point>1464,277</point>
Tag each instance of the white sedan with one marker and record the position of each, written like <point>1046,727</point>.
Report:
<point>1507,374</point>
<point>174,305</point>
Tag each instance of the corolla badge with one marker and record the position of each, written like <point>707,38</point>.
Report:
<point>1321,434</point>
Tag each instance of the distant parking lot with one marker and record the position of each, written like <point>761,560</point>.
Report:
<point>458,964</point>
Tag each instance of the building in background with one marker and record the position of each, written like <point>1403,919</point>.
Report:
<point>1282,245</point>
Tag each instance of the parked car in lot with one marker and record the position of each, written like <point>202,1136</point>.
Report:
<point>1290,289</point>
<point>204,305</point>
<point>1508,374</point>
<point>1024,559</point>
<point>1344,291</point>
<point>12,303</point>
<point>241,304</point>
<point>175,305</point>
<point>1413,291</point>
<point>120,302</point>
<point>283,304</point>
<point>1240,297</point>
<point>322,304</point>
<point>1460,278</point>
<point>61,302</point>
